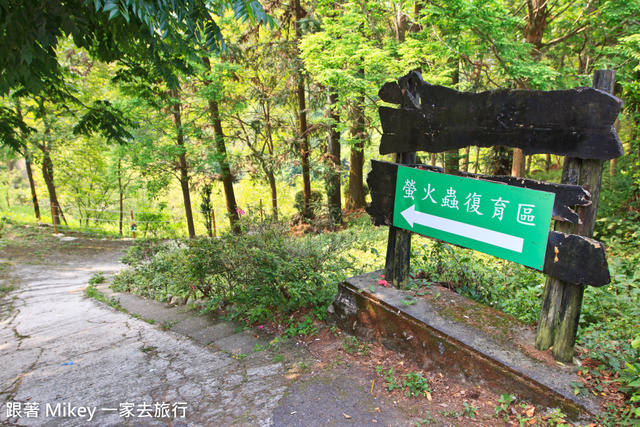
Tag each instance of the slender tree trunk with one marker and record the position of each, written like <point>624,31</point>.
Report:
<point>47,164</point>
<point>537,14</point>
<point>269,168</point>
<point>302,116</point>
<point>32,185</point>
<point>27,162</point>
<point>465,159</point>
<point>47,174</point>
<point>476,167</point>
<point>417,10</point>
<point>274,194</point>
<point>223,160</point>
<point>10,166</point>
<point>356,198</point>
<point>518,165</point>
<point>451,161</point>
<point>401,25</point>
<point>500,163</point>
<point>333,151</point>
<point>182,161</point>
<point>452,157</point>
<point>120,195</point>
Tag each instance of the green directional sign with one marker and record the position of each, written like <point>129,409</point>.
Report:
<point>497,219</point>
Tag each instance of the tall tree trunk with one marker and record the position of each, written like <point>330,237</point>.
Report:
<point>547,163</point>
<point>274,194</point>
<point>47,164</point>
<point>176,109</point>
<point>269,168</point>
<point>465,159</point>
<point>356,198</point>
<point>417,11</point>
<point>47,170</point>
<point>223,160</point>
<point>27,161</point>
<point>302,116</point>
<point>47,174</point>
<point>537,14</point>
<point>476,167</point>
<point>120,195</point>
<point>452,157</point>
<point>518,165</point>
<point>451,161</point>
<point>500,162</point>
<point>401,24</point>
<point>32,185</point>
<point>333,157</point>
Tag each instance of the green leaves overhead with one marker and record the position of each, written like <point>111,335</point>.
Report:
<point>12,129</point>
<point>106,120</point>
<point>30,31</point>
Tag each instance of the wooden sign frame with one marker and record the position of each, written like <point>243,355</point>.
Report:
<point>577,124</point>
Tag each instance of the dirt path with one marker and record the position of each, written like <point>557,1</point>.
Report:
<point>70,360</point>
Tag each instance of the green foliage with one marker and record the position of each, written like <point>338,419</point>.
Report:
<point>502,409</point>
<point>416,383</point>
<point>439,262</point>
<point>315,203</point>
<point>389,376</point>
<point>469,410</point>
<point>353,345</point>
<point>97,278</point>
<point>106,120</point>
<point>4,290</point>
<point>304,328</point>
<point>255,275</point>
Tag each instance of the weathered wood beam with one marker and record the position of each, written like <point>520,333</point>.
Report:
<point>577,123</point>
<point>576,259</point>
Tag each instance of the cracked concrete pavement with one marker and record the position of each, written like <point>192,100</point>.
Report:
<point>70,360</point>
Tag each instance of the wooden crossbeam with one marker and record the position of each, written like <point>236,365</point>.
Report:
<point>575,123</point>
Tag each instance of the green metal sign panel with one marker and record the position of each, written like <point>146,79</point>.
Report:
<point>508,222</point>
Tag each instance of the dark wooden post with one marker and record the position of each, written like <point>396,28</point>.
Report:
<point>562,301</point>
<point>398,266</point>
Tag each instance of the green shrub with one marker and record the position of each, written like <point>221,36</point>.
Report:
<point>143,251</point>
<point>266,270</point>
<point>97,278</point>
<point>315,204</point>
<point>257,274</point>
<point>156,271</point>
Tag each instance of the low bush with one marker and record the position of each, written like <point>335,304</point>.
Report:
<point>254,275</point>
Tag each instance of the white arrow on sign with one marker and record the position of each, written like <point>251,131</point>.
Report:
<point>495,238</point>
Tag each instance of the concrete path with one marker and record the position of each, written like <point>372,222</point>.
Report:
<point>70,360</point>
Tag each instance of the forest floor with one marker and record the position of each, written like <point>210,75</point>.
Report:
<point>71,360</point>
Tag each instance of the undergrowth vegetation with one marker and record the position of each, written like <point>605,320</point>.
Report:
<point>254,276</point>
